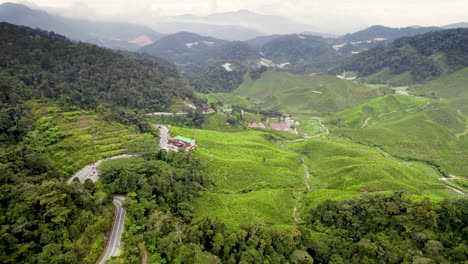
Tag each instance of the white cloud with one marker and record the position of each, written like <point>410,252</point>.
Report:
<point>330,15</point>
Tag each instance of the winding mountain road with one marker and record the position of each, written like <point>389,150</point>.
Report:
<point>91,172</point>
<point>113,244</point>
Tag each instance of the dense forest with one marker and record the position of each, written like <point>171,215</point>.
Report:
<point>214,77</point>
<point>424,56</point>
<point>41,64</point>
<point>304,52</point>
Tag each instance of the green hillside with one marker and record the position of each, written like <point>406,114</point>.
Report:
<point>298,94</point>
<point>75,138</point>
<point>433,132</point>
<point>412,59</point>
<point>342,169</point>
<point>251,176</point>
<point>377,108</point>
<point>453,86</point>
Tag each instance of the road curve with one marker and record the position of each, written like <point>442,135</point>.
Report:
<point>91,172</point>
<point>113,244</point>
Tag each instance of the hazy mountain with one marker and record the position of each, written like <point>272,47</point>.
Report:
<point>228,32</point>
<point>261,40</point>
<point>265,24</point>
<point>181,47</point>
<point>456,25</point>
<point>387,33</point>
<point>413,59</point>
<point>111,35</point>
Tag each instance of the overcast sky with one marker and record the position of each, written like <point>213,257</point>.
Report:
<point>328,15</point>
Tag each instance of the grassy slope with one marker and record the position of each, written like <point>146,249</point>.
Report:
<point>452,86</point>
<point>356,116</point>
<point>295,93</point>
<point>252,176</point>
<point>342,170</point>
<point>433,133</point>
<point>385,76</point>
<point>83,137</point>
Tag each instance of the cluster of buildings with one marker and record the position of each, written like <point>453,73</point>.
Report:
<point>286,126</point>
<point>256,125</point>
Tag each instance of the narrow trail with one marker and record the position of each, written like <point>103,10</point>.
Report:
<point>306,169</point>
<point>449,179</point>
<point>392,112</point>
<point>306,181</point>
<point>296,218</point>
<point>365,122</point>
<point>144,260</point>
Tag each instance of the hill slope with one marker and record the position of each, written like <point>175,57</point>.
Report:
<point>373,36</point>
<point>40,64</point>
<point>300,94</point>
<point>301,51</point>
<point>421,57</point>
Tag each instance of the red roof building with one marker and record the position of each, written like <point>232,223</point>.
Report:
<point>280,126</point>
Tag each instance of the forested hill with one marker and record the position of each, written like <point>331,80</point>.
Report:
<point>35,64</point>
<point>423,56</point>
<point>302,52</point>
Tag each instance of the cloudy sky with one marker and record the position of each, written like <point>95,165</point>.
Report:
<point>337,16</point>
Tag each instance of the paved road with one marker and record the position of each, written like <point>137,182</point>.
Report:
<point>91,172</point>
<point>113,244</point>
<point>163,137</point>
<point>166,114</point>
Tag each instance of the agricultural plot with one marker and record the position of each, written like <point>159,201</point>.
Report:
<point>76,138</point>
<point>306,95</point>
<point>343,170</point>
<point>252,176</point>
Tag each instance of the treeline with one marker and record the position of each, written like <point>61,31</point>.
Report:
<point>43,64</point>
<point>417,55</point>
<point>390,229</point>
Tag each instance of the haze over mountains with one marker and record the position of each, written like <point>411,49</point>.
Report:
<point>239,25</point>
<point>112,35</point>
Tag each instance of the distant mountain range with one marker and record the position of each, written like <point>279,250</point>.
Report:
<point>227,32</point>
<point>111,35</point>
<point>265,24</point>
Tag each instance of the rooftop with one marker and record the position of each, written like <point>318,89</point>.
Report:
<point>184,139</point>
